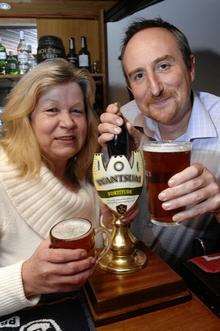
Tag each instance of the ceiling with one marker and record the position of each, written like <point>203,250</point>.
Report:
<point>72,4</point>
<point>57,8</point>
<point>113,9</point>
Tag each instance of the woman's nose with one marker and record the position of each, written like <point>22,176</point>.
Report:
<point>67,120</point>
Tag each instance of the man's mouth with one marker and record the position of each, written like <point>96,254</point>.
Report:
<point>160,101</point>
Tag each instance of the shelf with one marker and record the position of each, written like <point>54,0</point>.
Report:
<point>15,77</point>
<point>11,77</point>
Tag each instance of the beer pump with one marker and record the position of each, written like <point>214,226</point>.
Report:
<point>119,182</point>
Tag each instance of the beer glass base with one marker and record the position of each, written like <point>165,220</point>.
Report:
<point>164,223</point>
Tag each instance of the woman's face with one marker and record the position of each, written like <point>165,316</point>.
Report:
<point>59,122</point>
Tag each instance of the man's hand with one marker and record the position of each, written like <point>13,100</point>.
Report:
<point>111,123</point>
<point>194,188</point>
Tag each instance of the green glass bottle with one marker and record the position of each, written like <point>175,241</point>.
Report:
<point>12,65</point>
<point>2,58</point>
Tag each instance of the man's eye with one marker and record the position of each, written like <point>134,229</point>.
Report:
<point>137,76</point>
<point>163,66</point>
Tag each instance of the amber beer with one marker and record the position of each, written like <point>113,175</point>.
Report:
<point>162,161</point>
<point>77,233</point>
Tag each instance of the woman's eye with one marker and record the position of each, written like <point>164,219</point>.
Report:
<point>52,110</point>
<point>76,111</point>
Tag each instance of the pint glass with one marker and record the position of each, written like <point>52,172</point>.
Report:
<point>162,161</point>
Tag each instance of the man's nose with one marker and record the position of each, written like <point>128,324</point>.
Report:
<point>154,84</point>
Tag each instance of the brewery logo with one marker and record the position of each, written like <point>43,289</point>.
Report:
<point>12,322</point>
<point>37,325</point>
<point>119,182</point>
<point>121,209</point>
<point>41,325</point>
<point>119,166</point>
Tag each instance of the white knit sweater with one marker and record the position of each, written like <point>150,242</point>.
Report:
<point>28,209</point>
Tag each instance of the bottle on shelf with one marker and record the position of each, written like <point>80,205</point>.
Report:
<point>3,57</point>
<point>84,55</point>
<point>22,54</point>
<point>96,67</point>
<point>32,62</point>
<point>12,64</point>
<point>72,56</point>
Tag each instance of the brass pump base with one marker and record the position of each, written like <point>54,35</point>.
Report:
<point>123,264</point>
<point>123,257</point>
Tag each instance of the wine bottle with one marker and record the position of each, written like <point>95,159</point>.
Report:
<point>72,56</point>
<point>120,144</point>
<point>84,55</point>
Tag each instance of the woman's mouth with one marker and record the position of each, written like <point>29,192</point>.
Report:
<point>66,138</point>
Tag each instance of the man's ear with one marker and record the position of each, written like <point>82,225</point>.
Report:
<point>192,66</point>
<point>131,97</point>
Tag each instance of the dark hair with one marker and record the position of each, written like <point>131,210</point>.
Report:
<point>143,24</point>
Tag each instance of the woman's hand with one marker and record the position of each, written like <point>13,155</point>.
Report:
<point>194,188</point>
<point>51,270</point>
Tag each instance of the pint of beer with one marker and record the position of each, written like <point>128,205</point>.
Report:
<point>162,161</point>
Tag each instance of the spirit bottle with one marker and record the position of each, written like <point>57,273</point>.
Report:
<point>32,62</point>
<point>22,54</point>
<point>72,56</point>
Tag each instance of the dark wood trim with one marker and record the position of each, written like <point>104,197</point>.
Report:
<point>126,7</point>
<point>55,9</point>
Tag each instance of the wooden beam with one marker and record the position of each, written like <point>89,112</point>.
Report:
<point>125,8</point>
<point>55,9</point>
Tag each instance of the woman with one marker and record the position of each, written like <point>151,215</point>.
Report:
<point>45,156</point>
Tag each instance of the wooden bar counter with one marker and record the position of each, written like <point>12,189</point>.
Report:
<point>154,298</point>
<point>192,315</point>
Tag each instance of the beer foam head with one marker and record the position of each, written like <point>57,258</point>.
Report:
<point>166,147</point>
<point>71,229</point>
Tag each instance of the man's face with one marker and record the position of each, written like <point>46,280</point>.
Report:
<point>158,76</point>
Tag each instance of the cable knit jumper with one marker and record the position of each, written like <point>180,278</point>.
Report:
<point>28,209</point>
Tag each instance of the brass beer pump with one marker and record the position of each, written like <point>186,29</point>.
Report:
<point>123,255</point>
<point>119,183</point>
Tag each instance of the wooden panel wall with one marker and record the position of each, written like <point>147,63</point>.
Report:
<point>65,28</point>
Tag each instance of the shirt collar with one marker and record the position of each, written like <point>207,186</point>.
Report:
<point>200,123</point>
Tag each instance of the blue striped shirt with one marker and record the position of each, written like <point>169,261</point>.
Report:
<point>173,243</point>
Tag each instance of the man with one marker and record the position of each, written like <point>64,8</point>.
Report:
<point>159,68</point>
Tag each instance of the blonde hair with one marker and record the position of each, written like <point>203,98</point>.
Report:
<point>20,143</point>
